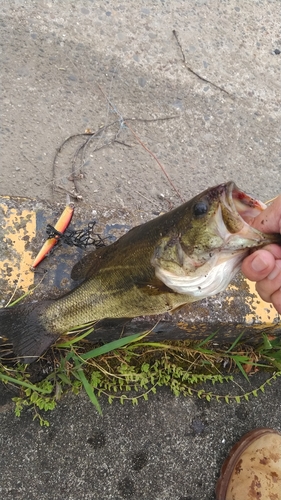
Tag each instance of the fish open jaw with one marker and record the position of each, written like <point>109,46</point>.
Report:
<point>232,220</point>
<point>243,204</point>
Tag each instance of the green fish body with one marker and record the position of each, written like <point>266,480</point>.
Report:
<point>187,254</point>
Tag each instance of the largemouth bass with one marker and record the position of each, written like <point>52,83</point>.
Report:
<point>185,255</point>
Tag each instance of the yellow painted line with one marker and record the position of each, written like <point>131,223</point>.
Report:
<point>262,312</point>
<point>19,227</point>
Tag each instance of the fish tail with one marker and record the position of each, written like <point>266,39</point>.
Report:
<point>22,332</point>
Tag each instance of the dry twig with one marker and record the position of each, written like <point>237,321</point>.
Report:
<point>194,72</point>
<point>76,172</point>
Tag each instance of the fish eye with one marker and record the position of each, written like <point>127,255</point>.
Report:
<point>200,208</point>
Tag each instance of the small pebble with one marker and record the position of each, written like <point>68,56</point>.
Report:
<point>142,81</point>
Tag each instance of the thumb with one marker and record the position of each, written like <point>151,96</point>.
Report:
<point>258,265</point>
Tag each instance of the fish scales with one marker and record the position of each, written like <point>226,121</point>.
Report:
<point>187,254</point>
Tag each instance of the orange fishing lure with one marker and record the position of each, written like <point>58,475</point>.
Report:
<point>60,226</point>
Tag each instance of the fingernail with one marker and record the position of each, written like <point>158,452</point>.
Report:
<point>273,273</point>
<point>258,264</point>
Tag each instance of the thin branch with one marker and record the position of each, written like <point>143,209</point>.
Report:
<point>81,149</point>
<point>147,199</point>
<point>124,121</point>
<point>194,72</point>
<point>156,159</point>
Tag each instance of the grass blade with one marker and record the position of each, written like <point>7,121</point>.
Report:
<point>205,341</point>
<point>6,378</point>
<point>87,386</point>
<point>68,343</point>
<point>238,364</point>
<point>235,342</point>
<point>111,346</point>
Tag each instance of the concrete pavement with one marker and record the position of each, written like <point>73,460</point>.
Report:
<point>69,66</point>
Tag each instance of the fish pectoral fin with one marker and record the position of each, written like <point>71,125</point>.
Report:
<point>154,287</point>
<point>177,308</point>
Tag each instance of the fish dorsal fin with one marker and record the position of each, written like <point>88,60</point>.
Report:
<point>91,262</point>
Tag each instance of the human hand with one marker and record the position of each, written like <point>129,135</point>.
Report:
<point>264,265</point>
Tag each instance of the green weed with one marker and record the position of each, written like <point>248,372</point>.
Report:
<point>130,369</point>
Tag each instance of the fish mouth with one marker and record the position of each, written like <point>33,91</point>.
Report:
<point>242,204</point>
<point>209,272</point>
<point>236,214</point>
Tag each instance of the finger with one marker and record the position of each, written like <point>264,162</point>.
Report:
<point>274,249</point>
<point>258,265</point>
<point>276,300</point>
<point>269,220</point>
<point>270,285</point>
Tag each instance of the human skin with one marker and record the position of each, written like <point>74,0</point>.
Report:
<point>264,265</point>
